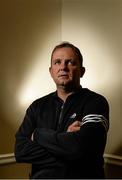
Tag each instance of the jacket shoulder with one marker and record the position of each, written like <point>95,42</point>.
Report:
<point>42,100</point>
<point>93,95</point>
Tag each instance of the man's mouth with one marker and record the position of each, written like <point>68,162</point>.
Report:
<point>63,75</point>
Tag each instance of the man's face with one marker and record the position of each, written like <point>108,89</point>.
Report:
<point>65,68</point>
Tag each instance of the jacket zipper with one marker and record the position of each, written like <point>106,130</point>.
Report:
<point>60,116</point>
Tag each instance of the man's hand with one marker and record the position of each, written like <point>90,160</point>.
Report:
<point>75,126</point>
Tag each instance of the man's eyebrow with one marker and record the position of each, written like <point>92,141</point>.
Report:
<point>64,59</point>
<point>57,59</point>
<point>69,59</point>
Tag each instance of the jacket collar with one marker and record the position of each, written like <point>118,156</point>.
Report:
<point>55,95</point>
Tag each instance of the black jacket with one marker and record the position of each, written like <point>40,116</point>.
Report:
<point>56,153</point>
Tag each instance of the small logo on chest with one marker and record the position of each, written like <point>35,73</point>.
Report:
<point>73,116</point>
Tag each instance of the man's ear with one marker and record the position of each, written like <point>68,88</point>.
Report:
<point>50,70</point>
<point>82,71</point>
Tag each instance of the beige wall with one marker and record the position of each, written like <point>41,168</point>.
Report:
<point>29,30</point>
<point>96,27</point>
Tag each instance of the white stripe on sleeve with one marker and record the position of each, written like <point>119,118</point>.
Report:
<point>96,118</point>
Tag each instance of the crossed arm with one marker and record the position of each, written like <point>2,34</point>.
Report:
<point>75,126</point>
<point>29,150</point>
<point>61,144</point>
<point>45,145</point>
<point>89,139</point>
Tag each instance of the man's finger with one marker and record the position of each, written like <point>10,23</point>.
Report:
<point>76,123</point>
<point>73,129</point>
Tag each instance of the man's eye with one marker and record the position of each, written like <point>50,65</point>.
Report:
<point>71,62</point>
<point>57,62</point>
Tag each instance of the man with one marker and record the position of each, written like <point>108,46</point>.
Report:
<point>63,134</point>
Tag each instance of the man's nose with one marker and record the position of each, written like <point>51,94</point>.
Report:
<point>63,65</point>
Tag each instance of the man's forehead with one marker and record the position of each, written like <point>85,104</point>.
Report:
<point>64,52</point>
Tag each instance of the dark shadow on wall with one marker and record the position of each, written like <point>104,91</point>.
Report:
<point>113,171</point>
<point>7,133</point>
<point>14,171</point>
<point>7,140</point>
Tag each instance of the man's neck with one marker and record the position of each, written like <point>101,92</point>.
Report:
<point>63,93</point>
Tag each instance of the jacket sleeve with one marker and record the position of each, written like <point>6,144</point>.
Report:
<point>90,139</point>
<point>26,150</point>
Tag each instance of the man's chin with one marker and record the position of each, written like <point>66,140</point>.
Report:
<point>64,85</point>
